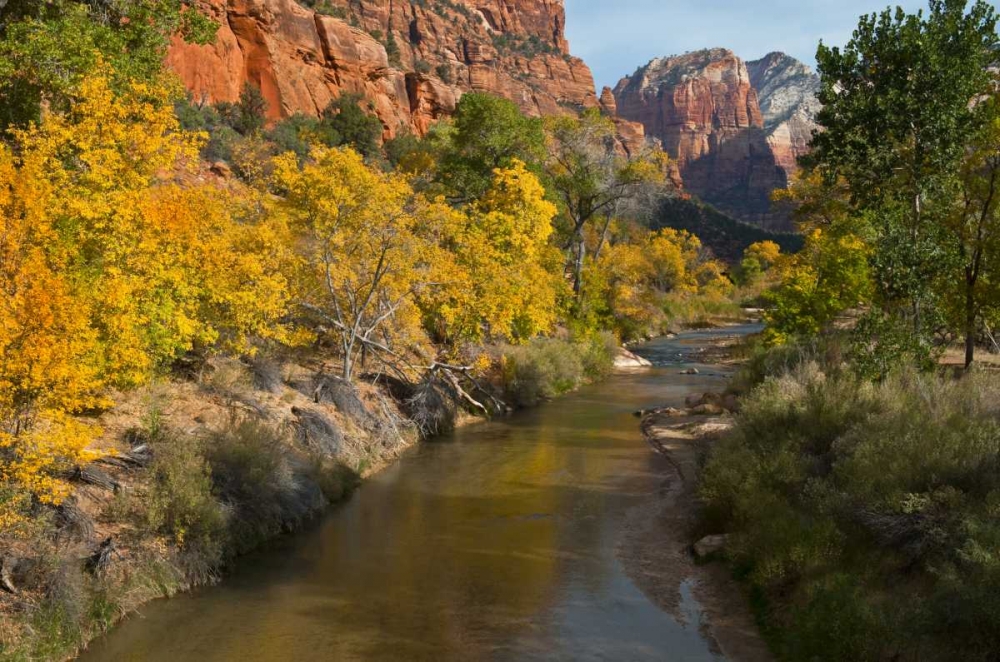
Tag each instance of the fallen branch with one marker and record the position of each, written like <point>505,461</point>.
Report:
<point>93,476</point>
<point>6,581</point>
<point>137,458</point>
<point>466,371</point>
<point>989,334</point>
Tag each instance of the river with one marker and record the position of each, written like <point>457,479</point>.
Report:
<point>499,542</point>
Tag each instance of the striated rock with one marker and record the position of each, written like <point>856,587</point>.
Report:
<point>706,110</point>
<point>609,105</point>
<point>787,91</point>
<point>411,61</point>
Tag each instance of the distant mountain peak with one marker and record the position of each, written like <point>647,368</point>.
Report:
<point>735,128</point>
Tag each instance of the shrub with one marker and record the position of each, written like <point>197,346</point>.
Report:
<point>431,407</point>
<point>251,475</point>
<point>445,73</point>
<point>866,514</point>
<point>266,373</point>
<point>336,480</point>
<point>599,351</point>
<point>542,369</point>
<point>180,504</point>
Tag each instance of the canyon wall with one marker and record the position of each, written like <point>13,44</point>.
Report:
<point>787,91</point>
<point>735,129</point>
<point>411,60</point>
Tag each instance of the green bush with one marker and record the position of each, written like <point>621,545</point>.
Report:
<point>599,351</point>
<point>542,369</point>
<point>180,504</point>
<point>867,515</point>
<point>252,477</point>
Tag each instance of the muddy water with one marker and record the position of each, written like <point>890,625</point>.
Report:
<point>497,543</point>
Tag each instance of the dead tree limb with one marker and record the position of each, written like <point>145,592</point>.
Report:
<point>466,371</point>
<point>93,476</point>
<point>6,580</point>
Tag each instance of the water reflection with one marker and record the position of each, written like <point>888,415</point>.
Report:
<point>497,543</point>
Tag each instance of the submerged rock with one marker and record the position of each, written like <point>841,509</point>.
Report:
<point>711,545</point>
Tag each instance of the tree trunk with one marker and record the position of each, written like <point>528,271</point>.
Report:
<point>581,254</point>
<point>970,322</point>
<point>348,365</point>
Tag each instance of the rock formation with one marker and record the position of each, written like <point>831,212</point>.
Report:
<point>786,90</point>
<point>707,110</point>
<point>411,60</point>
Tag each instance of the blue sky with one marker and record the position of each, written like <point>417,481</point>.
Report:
<point>616,36</point>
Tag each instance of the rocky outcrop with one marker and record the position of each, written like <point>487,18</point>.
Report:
<point>708,112</point>
<point>626,360</point>
<point>411,60</point>
<point>787,91</point>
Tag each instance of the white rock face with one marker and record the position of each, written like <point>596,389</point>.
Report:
<point>626,360</point>
<point>786,91</point>
<point>710,545</point>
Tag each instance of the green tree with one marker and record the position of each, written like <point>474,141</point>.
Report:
<point>590,176</point>
<point>345,122</point>
<point>974,226</point>
<point>248,115</point>
<point>489,133</point>
<point>47,48</point>
<point>897,119</point>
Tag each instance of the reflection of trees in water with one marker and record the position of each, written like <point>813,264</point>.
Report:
<point>475,543</point>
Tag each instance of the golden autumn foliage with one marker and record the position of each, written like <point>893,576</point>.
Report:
<point>110,272</point>
<point>511,270</point>
<point>362,261</point>
<point>117,259</point>
<point>381,265</point>
<point>628,286</point>
<point>830,275</point>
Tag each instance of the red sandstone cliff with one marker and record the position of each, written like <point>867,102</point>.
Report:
<point>301,59</point>
<point>706,110</point>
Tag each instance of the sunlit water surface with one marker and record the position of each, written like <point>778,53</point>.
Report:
<point>496,543</point>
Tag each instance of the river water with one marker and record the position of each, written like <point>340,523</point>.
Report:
<point>499,542</point>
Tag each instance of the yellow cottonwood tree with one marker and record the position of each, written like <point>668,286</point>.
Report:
<point>362,261</point>
<point>109,272</point>
<point>48,355</point>
<point>628,285</point>
<point>514,272</point>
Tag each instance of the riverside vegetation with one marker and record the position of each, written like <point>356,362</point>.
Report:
<point>859,487</point>
<point>212,326</point>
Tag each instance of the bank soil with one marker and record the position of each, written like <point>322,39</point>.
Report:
<point>657,546</point>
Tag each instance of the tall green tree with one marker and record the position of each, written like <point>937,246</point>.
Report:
<point>489,133</point>
<point>898,117</point>
<point>46,48</point>
<point>974,228</point>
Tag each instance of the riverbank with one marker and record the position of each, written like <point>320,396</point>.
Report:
<point>190,474</point>
<point>659,548</point>
<point>500,540</point>
<point>198,470</point>
<point>862,515</point>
